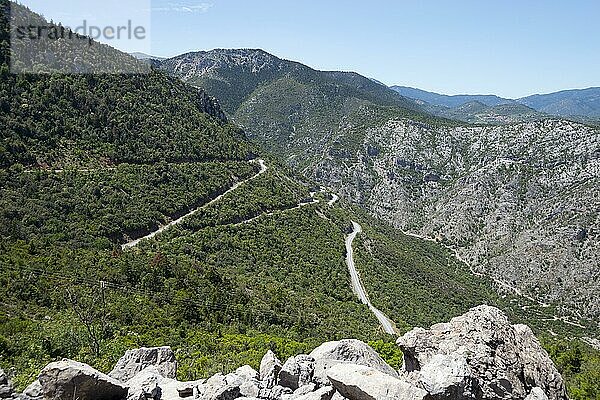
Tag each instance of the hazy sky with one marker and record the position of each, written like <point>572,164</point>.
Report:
<point>506,47</point>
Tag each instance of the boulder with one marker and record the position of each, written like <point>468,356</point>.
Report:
<point>481,356</point>
<point>6,389</point>
<point>358,382</point>
<point>68,380</point>
<point>242,383</point>
<point>144,385</point>
<point>297,371</point>
<point>136,360</point>
<point>275,393</point>
<point>325,393</point>
<point>350,351</point>
<point>536,394</point>
<point>447,377</point>
<point>219,387</point>
<point>270,366</point>
<point>34,391</point>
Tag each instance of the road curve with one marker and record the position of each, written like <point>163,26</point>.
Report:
<point>133,243</point>
<point>357,286</point>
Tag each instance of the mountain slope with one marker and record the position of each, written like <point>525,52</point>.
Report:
<point>499,194</point>
<point>281,102</point>
<point>584,102</point>
<point>447,100</point>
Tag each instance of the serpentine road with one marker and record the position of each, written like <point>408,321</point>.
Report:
<point>357,286</point>
<point>133,243</point>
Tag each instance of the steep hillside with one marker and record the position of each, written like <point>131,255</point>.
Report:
<point>279,101</point>
<point>502,195</point>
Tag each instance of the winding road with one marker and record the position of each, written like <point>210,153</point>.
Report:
<point>357,286</point>
<point>134,243</point>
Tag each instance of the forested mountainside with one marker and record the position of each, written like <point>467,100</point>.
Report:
<point>500,194</point>
<point>279,101</point>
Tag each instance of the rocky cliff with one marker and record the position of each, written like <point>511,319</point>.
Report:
<point>479,355</point>
<point>517,202</point>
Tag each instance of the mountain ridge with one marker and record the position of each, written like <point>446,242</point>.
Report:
<point>564,103</point>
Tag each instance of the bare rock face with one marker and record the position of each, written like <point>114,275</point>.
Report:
<point>6,389</point>
<point>68,380</point>
<point>479,355</point>
<point>297,371</point>
<point>349,351</point>
<point>358,382</point>
<point>270,366</point>
<point>136,360</point>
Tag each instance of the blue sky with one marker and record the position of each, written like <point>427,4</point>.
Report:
<point>510,48</point>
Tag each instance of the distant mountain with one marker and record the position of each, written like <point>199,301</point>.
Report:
<point>282,102</point>
<point>583,103</point>
<point>144,56</point>
<point>479,113</point>
<point>449,101</point>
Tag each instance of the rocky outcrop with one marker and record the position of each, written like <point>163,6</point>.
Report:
<point>134,361</point>
<point>297,372</point>
<point>270,366</point>
<point>6,388</point>
<point>357,382</point>
<point>350,351</point>
<point>479,355</point>
<point>68,380</point>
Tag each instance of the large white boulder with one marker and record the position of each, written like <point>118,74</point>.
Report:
<point>358,382</point>
<point>270,366</point>
<point>480,355</point>
<point>296,372</point>
<point>350,351</point>
<point>68,380</point>
<point>136,360</point>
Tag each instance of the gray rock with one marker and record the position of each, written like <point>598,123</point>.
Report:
<point>247,372</point>
<point>68,380</point>
<point>346,351</point>
<point>358,382</point>
<point>480,355</point>
<point>218,388</point>
<point>275,393</point>
<point>302,390</point>
<point>145,385</point>
<point>447,377</point>
<point>270,366</point>
<point>34,391</point>
<point>136,360</point>
<point>536,394</point>
<point>6,388</point>
<point>297,371</point>
<point>325,393</point>
<point>242,383</point>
